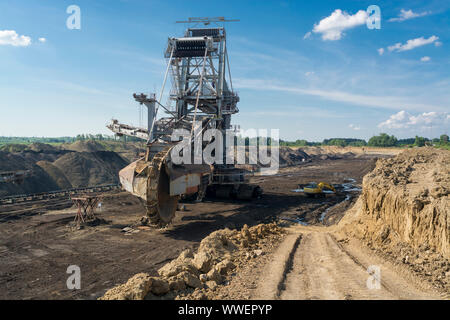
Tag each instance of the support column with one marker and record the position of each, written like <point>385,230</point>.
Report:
<point>150,103</point>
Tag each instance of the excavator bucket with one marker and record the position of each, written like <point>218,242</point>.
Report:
<point>159,184</point>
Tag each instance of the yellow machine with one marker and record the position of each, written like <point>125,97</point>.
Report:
<point>318,189</point>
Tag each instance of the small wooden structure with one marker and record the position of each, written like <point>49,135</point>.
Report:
<point>86,205</point>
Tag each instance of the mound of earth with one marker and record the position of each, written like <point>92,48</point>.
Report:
<point>130,151</point>
<point>38,181</point>
<point>13,147</point>
<point>35,147</point>
<point>290,157</point>
<point>194,275</point>
<point>404,209</point>
<point>337,152</point>
<point>84,169</point>
<point>287,157</point>
<point>42,147</point>
<point>84,146</point>
<point>329,152</point>
<point>56,174</point>
<point>55,168</point>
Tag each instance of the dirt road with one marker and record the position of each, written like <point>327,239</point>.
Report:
<point>312,264</point>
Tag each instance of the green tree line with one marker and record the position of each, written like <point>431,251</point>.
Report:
<point>59,140</point>
<point>381,140</point>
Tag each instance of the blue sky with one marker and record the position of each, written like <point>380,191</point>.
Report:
<point>309,68</point>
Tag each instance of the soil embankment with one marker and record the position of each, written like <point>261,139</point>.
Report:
<point>404,212</point>
<point>81,164</point>
<point>406,199</point>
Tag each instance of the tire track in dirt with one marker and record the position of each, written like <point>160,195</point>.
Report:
<point>316,266</point>
<point>288,266</point>
<point>393,277</point>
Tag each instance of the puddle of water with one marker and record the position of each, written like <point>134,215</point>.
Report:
<point>347,187</point>
<point>296,220</point>
<point>322,216</point>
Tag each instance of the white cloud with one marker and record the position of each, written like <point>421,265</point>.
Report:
<point>307,35</point>
<point>309,73</point>
<point>428,119</point>
<point>388,102</point>
<point>438,44</point>
<point>332,27</point>
<point>404,120</point>
<point>396,121</point>
<point>380,51</point>
<point>10,37</point>
<point>354,127</point>
<point>425,59</point>
<point>42,40</point>
<point>408,14</point>
<point>413,43</point>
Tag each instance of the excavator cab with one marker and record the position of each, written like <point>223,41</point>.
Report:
<point>321,189</point>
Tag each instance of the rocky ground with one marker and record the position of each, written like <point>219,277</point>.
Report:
<point>282,246</point>
<point>37,246</point>
<point>198,275</point>
<point>397,232</point>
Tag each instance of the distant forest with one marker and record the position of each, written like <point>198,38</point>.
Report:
<point>381,140</point>
<point>59,140</point>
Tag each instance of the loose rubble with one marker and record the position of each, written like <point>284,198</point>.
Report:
<point>195,275</point>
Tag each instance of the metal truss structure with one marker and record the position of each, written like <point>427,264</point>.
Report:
<point>201,96</point>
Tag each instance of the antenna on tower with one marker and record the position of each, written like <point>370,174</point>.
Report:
<point>207,20</point>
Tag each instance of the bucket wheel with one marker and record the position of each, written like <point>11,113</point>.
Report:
<point>160,205</point>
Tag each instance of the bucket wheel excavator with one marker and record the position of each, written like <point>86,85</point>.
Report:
<point>201,98</point>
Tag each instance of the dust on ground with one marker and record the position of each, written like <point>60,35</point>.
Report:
<point>337,262</point>
<point>37,247</point>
